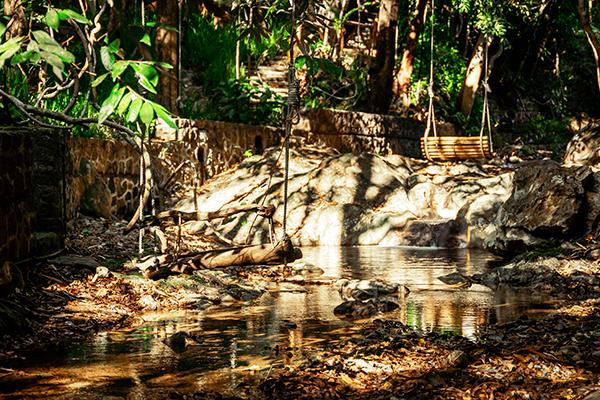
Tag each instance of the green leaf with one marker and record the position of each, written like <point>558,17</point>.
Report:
<point>124,103</point>
<point>110,103</point>
<point>8,49</point>
<point>70,14</point>
<point>106,57</point>
<point>43,38</point>
<point>165,65</point>
<point>146,84</point>
<point>134,109</point>
<point>99,79</point>
<point>118,68</point>
<point>53,60</point>
<point>115,46</point>
<point>2,29</point>
<point>146,39</point>
<point>28,56</point>
<point>146,70</point>
<point>300,62</point>
<point>64,55</point>
<point>164,115</point>
<point>147,113</point>
<point>52,19</point>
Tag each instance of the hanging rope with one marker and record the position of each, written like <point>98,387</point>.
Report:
<point>486,120</point>
<point>292,115</point>
<point>431,109</point>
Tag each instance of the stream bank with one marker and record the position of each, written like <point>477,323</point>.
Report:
<point>342,200</point>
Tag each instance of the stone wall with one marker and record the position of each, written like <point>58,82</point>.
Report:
<point>16,188</point>
<point>214,145</point>
<point>32,193</point>
<point>358,132</point>
<point>105,177</point>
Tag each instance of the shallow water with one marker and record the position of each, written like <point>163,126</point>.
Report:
<point>241,338</point>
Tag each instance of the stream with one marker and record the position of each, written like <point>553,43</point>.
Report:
<point>279,328</point>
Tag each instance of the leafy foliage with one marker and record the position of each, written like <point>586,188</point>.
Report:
<point>48,47</point>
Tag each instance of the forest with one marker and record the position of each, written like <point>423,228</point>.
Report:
<point>291,199</point>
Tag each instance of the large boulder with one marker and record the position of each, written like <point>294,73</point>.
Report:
<point>547,203</point>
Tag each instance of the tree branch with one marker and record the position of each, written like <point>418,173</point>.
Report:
<point>28,110</point>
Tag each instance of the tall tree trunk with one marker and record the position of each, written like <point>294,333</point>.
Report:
<point>404,74</point>
<point>382,69</point>
<point>167,51</point>
<point>473,76</point>
<point>586,21</point>
<point>15,11</point>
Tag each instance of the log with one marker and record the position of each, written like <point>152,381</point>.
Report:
<point>262,254</point>
<point>266,211</point>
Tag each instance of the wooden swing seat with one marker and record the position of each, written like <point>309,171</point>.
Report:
<point>445,148</point>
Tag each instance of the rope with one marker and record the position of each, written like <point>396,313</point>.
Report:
<point>292,116</point>
<point>486,120</point>
<point>430,110</point>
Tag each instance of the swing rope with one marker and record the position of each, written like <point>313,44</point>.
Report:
<point>292,116</point>
<point>431,124</point>
<point>486,120</point>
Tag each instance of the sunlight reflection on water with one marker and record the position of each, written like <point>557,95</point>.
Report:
<point>240,338</point>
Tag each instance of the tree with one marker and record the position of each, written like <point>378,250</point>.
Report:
<point>167,51</point>
<point>473,75</point>
<point>381,74</point>
<point>488,19</point>
<point>404,75</point>
<point>49,56</point>
<point>585,16</point>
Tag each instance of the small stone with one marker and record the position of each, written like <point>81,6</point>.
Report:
<point>103,272</point>
<point>148,302</point>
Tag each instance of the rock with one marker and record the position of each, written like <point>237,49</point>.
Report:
<point>179,341</point>
<point>545,205</point>
<point>75,260</point>
<point>103,272</point>
<point>241,293</point>
<point>584,148</point>
<point>307,269</point>
<point>148,302</point>
<point>432,233</point>
<point>96,200</point>
<point>364,309</point>
<point>457,280</point>
<point>364,289</point>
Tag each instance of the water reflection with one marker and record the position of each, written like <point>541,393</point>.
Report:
<point>239,338</point>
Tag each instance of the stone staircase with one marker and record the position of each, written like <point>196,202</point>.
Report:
<point>274,74</point>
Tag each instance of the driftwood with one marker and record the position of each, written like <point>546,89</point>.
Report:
<point>262,254</point>
<point>265,211</point>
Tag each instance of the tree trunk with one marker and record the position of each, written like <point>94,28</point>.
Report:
<point>167,51</point>
<point>382,70</point>
<point>404,75</point>
<point>15,11</point>
<point>473,76</point>
<point>585,16</point>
